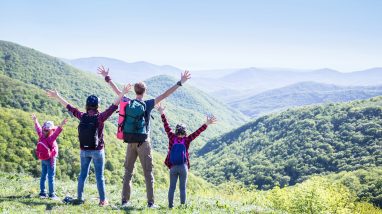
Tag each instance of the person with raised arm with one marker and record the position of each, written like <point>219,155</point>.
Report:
<point>137,134</point>
<point>90,134</point>
<point>178,158</point>
<point>47,151</point>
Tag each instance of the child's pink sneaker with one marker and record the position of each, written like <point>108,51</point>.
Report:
<point>103,203</point>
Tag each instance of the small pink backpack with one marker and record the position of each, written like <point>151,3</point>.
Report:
<point>43,152</point>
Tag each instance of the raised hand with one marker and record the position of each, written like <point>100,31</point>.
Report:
<point>185,76</point>
<point>211,120</point>
<point>34,118</point>
<point>52,93</point>
<point>126,88</point>
<point>101,70</point>
<point>124,91</point>
<point>63,122</point>
<point>160,107</point>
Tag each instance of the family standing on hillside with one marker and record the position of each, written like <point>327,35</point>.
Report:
<point>134,126</point>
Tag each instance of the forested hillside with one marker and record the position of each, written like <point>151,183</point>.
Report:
<point>35,71</point>
<point>286,148</point>
<point>26,97</point>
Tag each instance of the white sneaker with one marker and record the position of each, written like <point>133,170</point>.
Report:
<point>152,206</point>
<point>54,197</point>
<point>126,204</point>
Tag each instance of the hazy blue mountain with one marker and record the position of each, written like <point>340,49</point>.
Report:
<point>265,79</point>
<point>299,94</point>
<point>231,84</point>
<point>124,71</point>
<point>248,82</point>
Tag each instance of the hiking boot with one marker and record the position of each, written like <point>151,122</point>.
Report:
<point>126,204</point>
<point>68,200</point>
<point>103,203</point>
<point>53,197</point>
<point>43,195</point>
<point>152,205</point>
<point>78,201</point>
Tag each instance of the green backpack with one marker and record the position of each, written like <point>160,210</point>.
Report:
<point>134,125</point>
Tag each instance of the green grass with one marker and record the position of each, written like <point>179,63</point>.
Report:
<point>19,194</point>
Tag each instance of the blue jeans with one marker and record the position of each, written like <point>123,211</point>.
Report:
<point>98,157</point>
<point>47,169</point>
<point>181,172</point>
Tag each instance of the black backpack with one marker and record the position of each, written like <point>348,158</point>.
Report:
<point>88,131</point>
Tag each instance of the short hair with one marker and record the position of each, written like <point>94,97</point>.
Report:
<point>140,88</point>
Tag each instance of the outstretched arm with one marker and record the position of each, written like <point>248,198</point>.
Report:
<point>62,124</point>
<point>167,128</point>
<point>108,112</point>
<point>210,120</point>
<point>58,131</point>
<point>105,73</point>
<point>37,125</point>
<point>184,77</point>
<point>126,90</point>
<point>55,95</point>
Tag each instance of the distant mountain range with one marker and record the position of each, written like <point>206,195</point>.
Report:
<point>251,81</point>
<point>255,91</point>
<point>300,94</point>
<point>123,71</point>
<point>232,84</point>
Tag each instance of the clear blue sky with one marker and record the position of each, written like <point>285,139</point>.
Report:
<point>202,34</point>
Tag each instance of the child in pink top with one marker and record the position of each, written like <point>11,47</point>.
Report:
<point>47,135</point>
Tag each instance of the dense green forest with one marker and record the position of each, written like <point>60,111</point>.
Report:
<point>18,95</point>
<point>39,71</point>
<point>301,94</point>
<point>286,148</point>
<point>365,183</point>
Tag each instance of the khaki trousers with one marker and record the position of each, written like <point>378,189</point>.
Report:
<point>143,151</point>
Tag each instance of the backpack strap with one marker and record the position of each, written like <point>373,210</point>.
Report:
<point>143,103</point>
<point>87,115</point>
<point>46,147</point>
<point>145,112</point>
<point>176,140</point>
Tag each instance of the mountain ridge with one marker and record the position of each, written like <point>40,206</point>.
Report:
<point>300,94</point>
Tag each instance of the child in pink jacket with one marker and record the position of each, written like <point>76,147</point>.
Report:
<point>47,151</point>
